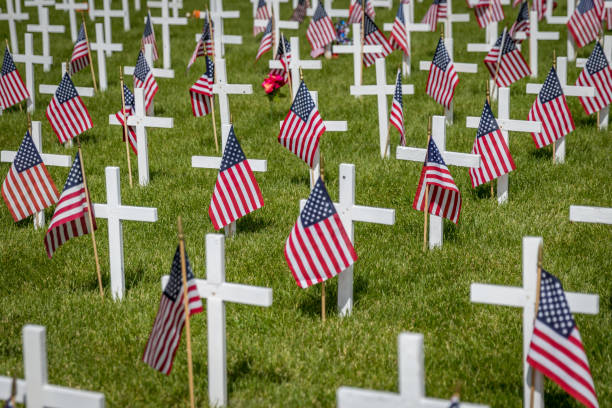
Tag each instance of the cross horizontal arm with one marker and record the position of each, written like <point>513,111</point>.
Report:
<point>460,18</point>
<point>332,125</point>
<point>151,121</point>
<point>459,67</point>
<point>34,59</point>
<point>226,39</point>
<point>223,14</point>
<point>233,89</point>
<point>167,20</point>
<point>50,90</point>
<point>349,397</point>
<point>60,160</point>
<point>55,396</point>
<point>601,215</point>
<point>232,292</point>
<point>350,49</point>
<point>112,47</point>
<point>55,29</point>
<point>450,158</point>
<point>417,27</point>
<point>289,25</point>
<point>568,90</point>
<point>305,64</point>
<point>508,124</point>
<point>125,212</point>
<point>375,215</point>
<point>6,384</point>
<point>479,47</point>
<point>73,6</point>
<point>207,162</point>
<point>375,89</point>
<point>157,72</point>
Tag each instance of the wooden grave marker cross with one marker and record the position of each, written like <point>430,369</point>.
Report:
<point>45,28</point>
<point>332,12</point>
<point>349,213</point>
<point>568,90</point>
<point>116,213</point>
<point>49,160</point>
<point>296,64</point>
<point>596,215</point>
<point>411,365</point>
<point>505,125</point>
<point>525,297</point>
<point>141,122</point>
<point>278,23</point>
<point>35,389</point>
<point>550,19</point>
<point>217,291</point>
<point>356,49</point>
<point>72,7</point>
<point>29,59</point>
<point>604,113</point>
<point>12,16</point>
<point>166,21</point>
<point>102,47</point>
<point>107,13</point>
<point>438,134</point>
<point>381,90</point>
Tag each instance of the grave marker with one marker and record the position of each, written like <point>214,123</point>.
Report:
<point>71,7</point>
<point>11,16</point>
<point>102,48</point>
<point>452,18</point>
<point>29,58</point>
<point>327,4</point>
<point>175,5</point>
<point>157,72</point>
<point>166,21</point>
<point>50,89</point>
<point>599,215</point>
<point>223,89</point>
<point>107,13</point>
<point>550,19</point>
<point>217,18</point>
<point>604,114</point>
<point>296,64</point>
<point>45,28</point>
<point>278,23</point>
<point>356,49</point>
<point>410,27</point>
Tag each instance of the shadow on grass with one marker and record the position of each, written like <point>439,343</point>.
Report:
<point>482,192</point>
<point>450,231</point>
<point>311,305</point>
<point>544,153</point>
<point>559,399</point>
<point>133,278</point>
<point>252,224</point>
<point>301,179</point>
<point>246,367</point>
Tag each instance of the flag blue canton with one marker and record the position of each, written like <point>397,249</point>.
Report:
<point>597,61</point>
<point>319,13</point>
<point>400,13</point>
<point>233,154</point>
<point>8,65</point>
<point>397,95</point>
<point>508,43</point>
<point>205,32</point>
<point>439,2</point>
<point>27,155</point>
<point>369,25</point>
<point>585,6</point>
<point>523,14</point>
<point>210,68</point>
<point>487,123</point>
<point>554,310</point>
<point>303,103</point>
<point>75,177</point>
<point>65,90</point>
<point>319,206</point>
<point>551,88</point>
<point>268,27</point>
<point>287,47</point>
<point>142,68</point>
<point>261,3</point>
<point>81,36</point>
<point>441,58</point>
<point>128,96</point>
<point>148,28</point>
<point>433,154</point>
<point>173,287</point>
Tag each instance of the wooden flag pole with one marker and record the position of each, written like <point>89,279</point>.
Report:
<point>125,127</point>
<point>212,97</point>
<point>90,215</point>
<point>282,39</point>
<point>501,50</point>
<point>9,49</point>
<point>362,41</point>
<point>29,123</point>
<point>13,390</point>
<point>489,102</point>
<point>323,313</point>
<point>537,304</point>
<point>93,74</point>
<point>426,209</point>
<point>274,49</point>
<point>181,238</point>
<point>554,145</point>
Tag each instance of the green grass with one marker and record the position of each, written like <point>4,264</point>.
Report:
<point>283,355</point>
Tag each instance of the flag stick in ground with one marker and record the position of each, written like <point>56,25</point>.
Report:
<point>537,304</point>
<point>90,215</point>
<point>323,313</point>
<point>125,127</point>
<point>554,144</point>
<point>426,209</point>
<point>362,41</point>
<point>499,57</point>
<point>93,74</point>
<point>212,102</point>
<point>181,238</point>
<point>273,36</point>
<point>282,39</point>
<point>489,102</point>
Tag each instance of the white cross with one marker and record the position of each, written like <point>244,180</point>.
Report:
<point>278,23</point>
<point>452,18</point>
<point>102,47</point>
<point>525,297</point>
<point>294,3</point>
<point>39,4</point>
<point>490,38</point>
<point>141,122</point>
<point>356,49</point>
<point>599,215</point>
<point>505,124</point>
<point>604,113</point>
<point>382,3</point>
<point>49,160</point>
<point>157,72</point>
<point>44,27</point>
<point>568,90</point>
<point>35,388</point>
<point>381,90</point>
<point>350,213</point>
<point>175,5</point>
<point>50,89</point>
<point>295,64</point>
<point>209,162</point>
<point>255,4</point>
<point>166,21</point>
<point>107,13</point>
<point>137,5</point>
<point>12,16</point>
<point>217,21</point>
<point>332,12</point>
<point>459,67</point>
<point>411,365</point>
<point>217,291</point>
<point>550,19</point>
<point>29,58</point>
<point>223,89</point>
<point>116,213</point>
<point>438,134</point>
<point>72,8</point>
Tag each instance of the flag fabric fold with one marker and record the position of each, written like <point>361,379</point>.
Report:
<point>266,41</point>
<point>67,113</point>
<point>80,52</point>
<point>204,46</point>
<point>397,109</point>
<point>143,78</point>
<point>397,38</point>
<point>320,32</point>
<point>596,73</point>
<point>12,88</point>
<point>585,23</point>
<point>442,79</point>
<point>283,54</point>
<point>373,36</point>
<point>512,65</point>
<point>299,13</point>
<point>148,37</point>
<point>262,13</point>
<point>201,91</point>
<point>488,11</point>
<point>130,109</point>
<point>436,11</point>
<point>356,11</point>
<point>521,25</point>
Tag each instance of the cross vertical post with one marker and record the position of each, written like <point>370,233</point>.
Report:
<point>29,58</point>
<point>355,49</point>
<point>45,28</point>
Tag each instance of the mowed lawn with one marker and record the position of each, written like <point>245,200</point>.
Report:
<point>284,356</point>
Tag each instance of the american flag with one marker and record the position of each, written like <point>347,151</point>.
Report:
<point>28,187</point>
<point>80,53</point>
<point>320,31</point>
<point>356,11</point>
<point>492,148</point>
<point>585,24</point>
<point>67,112</point>
<point>488,11</point>
<point>143,78</point>
<point>283,54</point>
<point>71,216</point>
<point>302,128</point>
<point>204,46</point>
<point>521,25</point>
<point>300,11</point>
<point>130,108</point>
<point>266,41</point>
<point>436,11</point>
<point>444,196</point>
<point>442,79</point>
<point>318,248</point>
<point>596,73</point>
<point>12,89</point>
<point>168,327</point>
<point>201,92</point>
<point>512,65</point>
<point>397,38</point>
<point>397,108</point>
<point>236,191</point>
<point>262,13</point>
<point>550,108</point>
<point>148,37</point>
<point>556,348</point>
<point>540,6</point>
<point>373,36</point>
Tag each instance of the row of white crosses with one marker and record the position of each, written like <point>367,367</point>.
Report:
<point>45,28</point>
<point>35,389</point>
<point>165,21</point>
<point>438,134</point>
<point>13,16</point>
<point>411,367</point>
<point>217,291</point>
<point>278,24</point>
<point>29,58</point>
<point>107,13</point>
<point>568,90</point>
<point>72,7</point>
<point>357,50</point>
<point>525,298</point>
<point>550,19</point>
<point>103,48</point>
<point>218,15</point>
<point>604,113</point>
<point>175,5</point>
